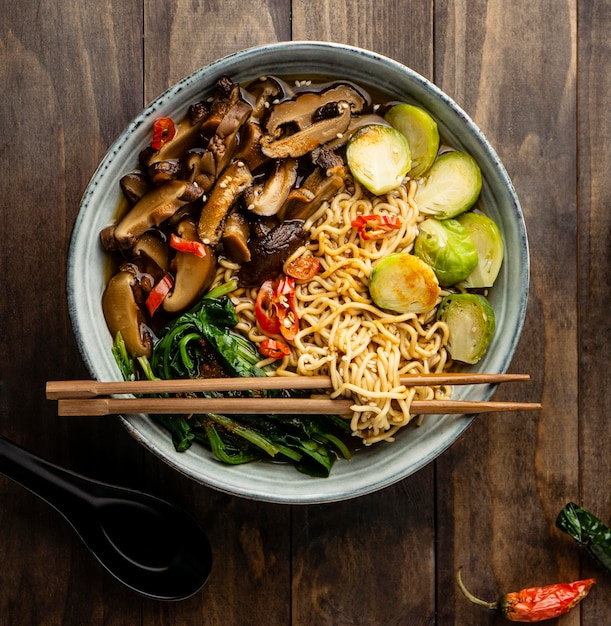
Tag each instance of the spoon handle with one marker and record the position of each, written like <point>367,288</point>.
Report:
<point>56,486</point>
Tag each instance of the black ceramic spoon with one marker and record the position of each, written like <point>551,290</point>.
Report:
<point>148,544</point>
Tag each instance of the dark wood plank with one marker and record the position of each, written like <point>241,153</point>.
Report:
<point>594,60</point>
<point>378,546</point>
<point>182,36</point>
<point>512,67</point>
<point>400,30</point>
<point>63,71</point>
<point>72,77</point>
<point>251,541</point>
<point>502,486</point>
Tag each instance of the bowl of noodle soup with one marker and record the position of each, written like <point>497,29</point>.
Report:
<point>326,322</point>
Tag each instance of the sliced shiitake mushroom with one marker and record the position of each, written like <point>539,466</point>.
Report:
<point>326,180</point>
<point>311,137</point>
<point>152,250</point>
<point>236,233</point>
<point>192,274</point>
<point>162,171</point>
<point>268,197</point>
<point>300,111</point>
<point>153,208</point>
<point>249,148</point>
<point>227,189</point>
<point>223,143</point>
<point>123,314</point>
<point>134,185</point>
<point>270,251</point>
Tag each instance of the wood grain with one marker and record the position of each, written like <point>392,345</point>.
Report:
<point>536,78</point>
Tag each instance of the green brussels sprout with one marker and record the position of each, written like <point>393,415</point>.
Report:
<point>404,283</point>
<point>451,186</point>
<point>471,323</point>
<point>447,247</point>
<point>421,132</point>
<point>378,157</point>
<point>490,249</point>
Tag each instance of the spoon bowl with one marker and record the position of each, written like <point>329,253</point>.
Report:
<point>148,544</point>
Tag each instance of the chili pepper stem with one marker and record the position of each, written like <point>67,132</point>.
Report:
<point>493,606</point>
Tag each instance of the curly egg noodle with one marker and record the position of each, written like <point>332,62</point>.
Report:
<point>365,350</point>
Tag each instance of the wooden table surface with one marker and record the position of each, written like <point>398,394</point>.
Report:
<point>536,77</point>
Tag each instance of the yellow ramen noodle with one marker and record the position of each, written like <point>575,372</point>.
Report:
<point>365,350</point>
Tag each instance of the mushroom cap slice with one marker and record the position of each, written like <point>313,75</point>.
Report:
<point>192,274</point>
<point>236,233</point>
<point>123,314</point>
<point>301,110</point>
<point>224,142</point>
<point>228,187</point>
<point>267,198</point>
<point>306,140</point>
<point>153,208</point>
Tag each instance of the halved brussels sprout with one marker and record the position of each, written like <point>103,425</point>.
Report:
<point>421,132</point>
<point>471,323</point>
<point>447,247</point>
<point>490,249</point>
<point>451,186</point>
<point>378,157</point>
<point>404,283</point>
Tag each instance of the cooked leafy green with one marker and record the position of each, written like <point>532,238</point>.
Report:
<point>588,531</point>
<point>205,333</point>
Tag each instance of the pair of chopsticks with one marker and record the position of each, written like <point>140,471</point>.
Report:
<point>90,397</point>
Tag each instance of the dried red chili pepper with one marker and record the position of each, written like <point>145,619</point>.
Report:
<point>535,604</point>
<point>375,226</point>
<point>164,130</point>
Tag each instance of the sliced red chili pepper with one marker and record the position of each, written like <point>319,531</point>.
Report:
<point>164,130</point>
<point>274,349</point>
<point>535,604</point>
<point>158,293</point>
<point>284,303</point>
<point>302,268</point>
<point>265,312</point>
<point>375,226</point>
<point>184,245</point>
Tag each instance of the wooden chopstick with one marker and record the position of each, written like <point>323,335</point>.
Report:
<point>295,406</point>
<point>60,389</point>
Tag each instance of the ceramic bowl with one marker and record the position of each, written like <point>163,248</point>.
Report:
<point>380,465</point>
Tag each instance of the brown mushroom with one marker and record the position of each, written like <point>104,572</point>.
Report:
<point>311,137</point>
<point>123,314</point>
<point>152,250</point>
<point>263,91</point>
<point>270,251</point>
<point>227,94</point>
<point>134,185</point>
<point>187,135</point>
<point>199,167</point>
<point>223,143</point>
<point>153,208</point>
<point>227,189</point>
<point>162,171</point>
<point>235,238</point>
<point>249,148</point>
<point>192,274</point>
<point>326,180</point>
<point>300,111</point>
<point>267,198</point>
